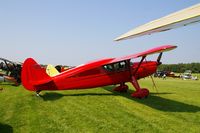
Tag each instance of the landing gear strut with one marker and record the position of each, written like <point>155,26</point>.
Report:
<point>139,93</point>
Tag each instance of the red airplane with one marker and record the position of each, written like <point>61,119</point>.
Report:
<point>110,71</point>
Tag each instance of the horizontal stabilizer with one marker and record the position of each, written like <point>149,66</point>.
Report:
<point>51,70</point>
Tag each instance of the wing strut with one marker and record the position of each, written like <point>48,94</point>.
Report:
<point>143,57</point>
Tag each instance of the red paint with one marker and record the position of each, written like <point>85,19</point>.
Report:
<point>103,72</point>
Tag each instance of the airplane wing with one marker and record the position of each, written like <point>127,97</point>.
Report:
<point>160,49</point>
<point>103,62</point>
<point>181,18</point>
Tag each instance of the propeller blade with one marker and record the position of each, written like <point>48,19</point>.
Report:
<point>159,58</point>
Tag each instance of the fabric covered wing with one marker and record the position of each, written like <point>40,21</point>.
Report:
<point>160,49</point>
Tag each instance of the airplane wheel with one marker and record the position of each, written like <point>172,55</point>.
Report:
<point>38,93</point>
<point>142,93</point>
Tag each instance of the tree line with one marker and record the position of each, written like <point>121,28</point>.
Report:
<point>181,67</point>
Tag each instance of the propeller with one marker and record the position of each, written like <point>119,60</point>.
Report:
<point>159,58</point>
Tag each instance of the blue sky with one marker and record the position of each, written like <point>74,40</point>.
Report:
<point>73,32</point>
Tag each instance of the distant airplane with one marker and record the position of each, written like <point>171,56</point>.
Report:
<point>11,70</point>
<point>184,17</point>
<point>110,71</point>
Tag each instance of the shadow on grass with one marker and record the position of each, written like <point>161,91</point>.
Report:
<point>51,96</point>
<point>8,84</point>
<point>5,83</point>
<point>153,100</point>
<point>159,103</point>
<point>4,128</point>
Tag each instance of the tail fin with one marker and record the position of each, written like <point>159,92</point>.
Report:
<point>33,74</point>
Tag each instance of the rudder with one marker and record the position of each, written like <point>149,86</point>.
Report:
<point>32,73</point>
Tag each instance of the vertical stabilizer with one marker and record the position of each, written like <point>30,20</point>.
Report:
<point>32,74</point>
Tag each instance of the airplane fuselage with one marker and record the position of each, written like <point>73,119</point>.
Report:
<point>110,74</point>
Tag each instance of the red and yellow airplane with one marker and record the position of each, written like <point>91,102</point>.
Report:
<point>110,71</point>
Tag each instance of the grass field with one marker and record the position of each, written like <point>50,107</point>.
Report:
<point>175,108</point>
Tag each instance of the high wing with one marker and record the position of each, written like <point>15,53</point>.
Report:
<point>160,49</point>
<point>181,18</point>
<point>12,62</point>
<point>30,67</point>
<point>103,62</point>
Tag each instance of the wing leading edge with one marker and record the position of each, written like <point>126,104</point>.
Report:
<point>160,49</point>
<point>103,62</point>
<point>181,18</point>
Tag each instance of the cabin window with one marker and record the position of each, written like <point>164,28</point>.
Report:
<point>108,67</point>
<point>119,66</point>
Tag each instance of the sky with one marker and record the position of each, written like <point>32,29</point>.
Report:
<point>73,32</point>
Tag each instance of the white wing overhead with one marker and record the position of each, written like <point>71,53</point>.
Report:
<point>181,18</point>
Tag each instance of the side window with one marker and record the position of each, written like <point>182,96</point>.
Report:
<point>119,66</point>
<point>108,67</point>
<point>122,65</point>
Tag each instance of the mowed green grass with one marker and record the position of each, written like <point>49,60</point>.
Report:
<point>174,108</point>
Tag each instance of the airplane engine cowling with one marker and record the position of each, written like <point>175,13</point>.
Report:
<point>146,69</point>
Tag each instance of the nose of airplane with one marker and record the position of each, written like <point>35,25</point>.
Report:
<point>145,69</point>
